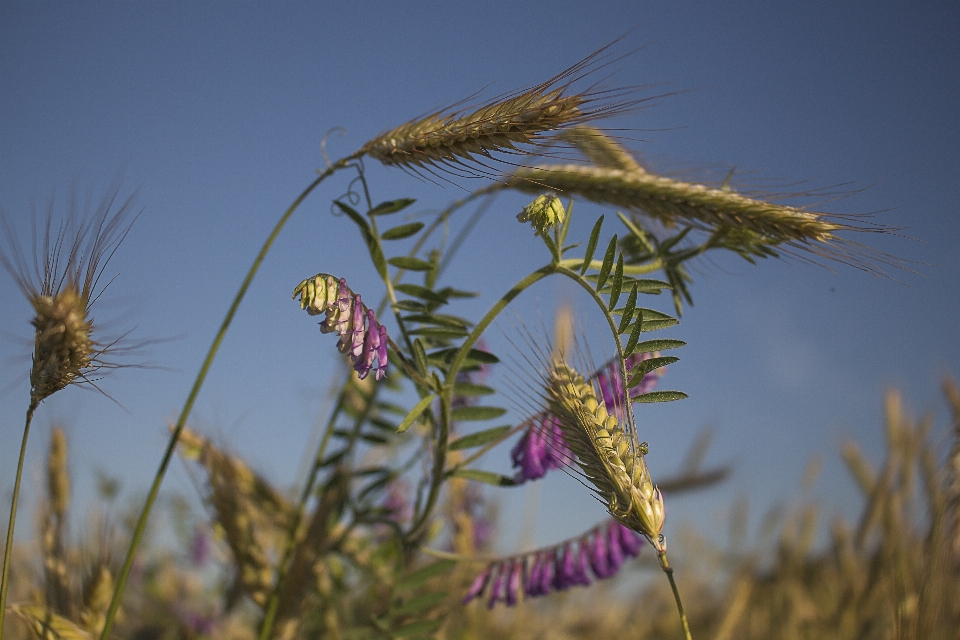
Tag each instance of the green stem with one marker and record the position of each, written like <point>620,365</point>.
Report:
<point>8,548</point>
<point>195,390</point>
<point>628,269</point>
<point>440,456</point>
<point>667,569</point>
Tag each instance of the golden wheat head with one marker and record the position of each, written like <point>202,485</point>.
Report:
<point>456,138</point>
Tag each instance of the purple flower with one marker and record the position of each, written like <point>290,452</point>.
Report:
<point>630,541</point>
<point>498,583</point>
<point>596,545</point>
<point>541,448</point>
<point>515,581</point>
<point>200,547</point>
<point>603,549</point>
<point>612,386</point>
<point>361,336</point>
<point>479,584</point>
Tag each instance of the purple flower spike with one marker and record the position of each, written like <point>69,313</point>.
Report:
<point>562,568</point>
<point>382,352</point>
<point>630,542</point>
<point>479,584</point>
<point>530,456</point>
<point>616,556</point>
<point>533,578</point>
<point>541,448</point>
<point>596,546</point>
<point>580,572</point>
<point>514,581</point>
<point>498,584</point>
<point>357,339</point>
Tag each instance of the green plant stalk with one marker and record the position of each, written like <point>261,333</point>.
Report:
<point>8,548</point>
<point>439,461</point>
<point>667,569</point>
<point>195,390</point>
<point>283,567</point>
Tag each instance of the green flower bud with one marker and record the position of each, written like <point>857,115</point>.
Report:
<point>543,213</point>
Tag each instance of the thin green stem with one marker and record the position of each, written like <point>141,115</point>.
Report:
<point>195,390</point>
<point>667,569</point>
<point>440,457</point>
<point>8,548</point>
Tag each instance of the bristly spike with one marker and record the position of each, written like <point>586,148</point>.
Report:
<point>510,124</point>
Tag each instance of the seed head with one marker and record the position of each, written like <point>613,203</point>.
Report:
<point>453,139</point>
<point>607,452</point>
<point>62,281</point>
<point>735,219</point>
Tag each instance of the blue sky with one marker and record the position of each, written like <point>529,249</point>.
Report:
<point>214,113</point>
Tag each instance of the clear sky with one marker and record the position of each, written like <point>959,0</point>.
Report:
<point>214,111</point>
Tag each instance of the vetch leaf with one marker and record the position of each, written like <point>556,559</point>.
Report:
<point>479,438</point>
<point>423,293</point>
<point>391,206</point>
<point>423,574</point>
<point>419,603</point>
<point>410,264</point>
<point>468,389</point>
<point>649,346</point>
<point>617,283</point>
<point>607,262</point>
<point>420,357</point>
<point>660,396</point>
<point>476,413</point>
<point>439,332</point>
<point>402,231</point>
<point>634,336</point>
<point>424,627</point>
<point>591,245</point>
<point>419,408</point>
<point>646,366</point>
<point>487,477</point>
<point>628,310</point>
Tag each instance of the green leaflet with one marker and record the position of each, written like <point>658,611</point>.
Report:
<point>649,346</point>
<point>469,389</point>
<point>660,396</point>
<point>410,264</point>
<point>643,368</point>
<point>391,206</point>
<point>419,603</point>
<point>479,438</point>
<point>628,310</point>
<point>424,628</point>
<point>423,574</point>
<point>591,245</point>
<point>440,332</point>
<point>476,413</point>
<point>487,477</point>
<point>419,408</point>
<point>423,293</point>
<point>617,283</point>
<point>607,262</point>
<point>402,231</point>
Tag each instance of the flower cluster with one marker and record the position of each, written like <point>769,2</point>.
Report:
<point>361,336</point>
<point>543,447</point>
<point>602,551</point>
<point>543,213</point>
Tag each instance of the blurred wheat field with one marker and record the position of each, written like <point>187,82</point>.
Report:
<point>890,571</point>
